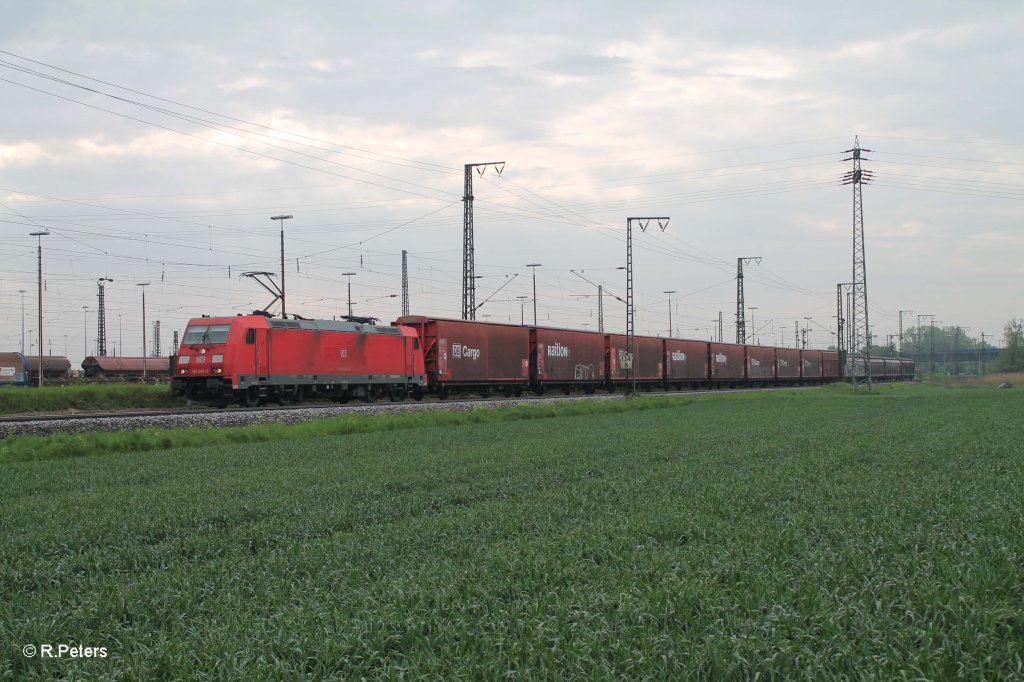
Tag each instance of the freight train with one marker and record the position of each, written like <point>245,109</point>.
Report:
<point>17,369</point>
<point>253,359</point>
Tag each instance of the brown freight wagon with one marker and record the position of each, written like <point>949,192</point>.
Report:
<point>472,356</point>
<point>125,368</point>
<point>686,363</point>
<point>566,360</point>
<point>760,364</point>
<point>830,365</point>
<point>648,362</point>
<point>811,364</point>
<point>728,363</point>
<point>55,368</point>
<point>787,364</point>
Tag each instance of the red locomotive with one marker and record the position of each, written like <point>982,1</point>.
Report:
<point>252,359</point>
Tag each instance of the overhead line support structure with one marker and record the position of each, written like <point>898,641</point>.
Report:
<point>39,236</point>
<point>282,218</point>
<point>405,282</point>
<point>860,348</point>
<point>468,250</point>
<point>741,323</point>
<point>901,329</point>
<point>643,222</point>
<point>101,318</point>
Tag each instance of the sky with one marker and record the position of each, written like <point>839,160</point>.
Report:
<point>155,140</point>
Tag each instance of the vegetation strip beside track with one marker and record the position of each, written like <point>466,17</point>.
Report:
<point>58,446</point>
<point>817,535</point>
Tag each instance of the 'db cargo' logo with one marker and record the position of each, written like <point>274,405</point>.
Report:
<point>678,356</point>
<point>755,363</point>
<point>783,363</point>
<point>557,350</point>
<point>460,351</point>
<point>720,358</point>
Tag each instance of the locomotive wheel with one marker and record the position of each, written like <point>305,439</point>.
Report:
<point>417,393</point>
<point>251,397</point>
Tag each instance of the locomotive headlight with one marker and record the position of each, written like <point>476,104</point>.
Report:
<point>182,371</point>
<point>218,370</point>
<point>218,358</point>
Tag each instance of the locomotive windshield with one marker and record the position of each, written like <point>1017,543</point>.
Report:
<point>206,333</point>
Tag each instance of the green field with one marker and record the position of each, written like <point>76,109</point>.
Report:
<point>799,535</point>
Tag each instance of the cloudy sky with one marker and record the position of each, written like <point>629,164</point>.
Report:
<point>154,140</point>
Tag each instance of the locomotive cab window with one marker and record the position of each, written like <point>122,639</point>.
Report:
<point>250,336</point>
<point>415,343</point>
<point>201,333</point>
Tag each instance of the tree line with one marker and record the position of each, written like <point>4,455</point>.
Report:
<point>956,348</point>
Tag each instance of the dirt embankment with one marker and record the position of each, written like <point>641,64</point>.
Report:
<point>1015,379</point>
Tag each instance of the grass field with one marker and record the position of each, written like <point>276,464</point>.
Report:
<point>797,535</point>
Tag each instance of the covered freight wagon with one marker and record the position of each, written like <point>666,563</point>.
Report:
<point>830,365</point>
<point>760,364</point>
<point>565,359</point>
<point>787,364</point>
<point>728,362</point>
<point>648,360</point>
<point>686,362</point>
<point>472,356</point>
<point>810,361</point>
<point>13,369</point>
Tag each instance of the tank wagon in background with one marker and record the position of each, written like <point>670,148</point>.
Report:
<point>252,359</point>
